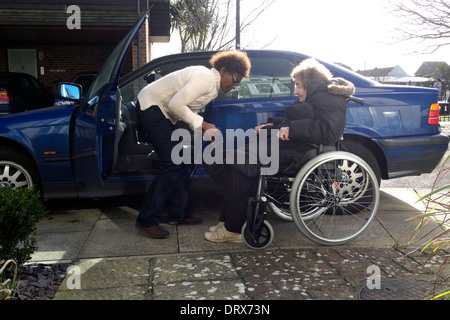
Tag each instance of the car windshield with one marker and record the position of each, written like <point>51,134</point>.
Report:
<point>110,68</point>
<point>105,73</point>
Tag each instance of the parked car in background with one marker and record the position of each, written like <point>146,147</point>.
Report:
<point>96,147</point>
<point>22,92</point>
<point>84,79</point>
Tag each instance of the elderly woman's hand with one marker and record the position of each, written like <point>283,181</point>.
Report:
<point>283,134</point>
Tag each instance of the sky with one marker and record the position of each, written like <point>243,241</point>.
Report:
<point>357,33</point>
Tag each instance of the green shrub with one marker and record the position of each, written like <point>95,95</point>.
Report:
<point>20,210</point>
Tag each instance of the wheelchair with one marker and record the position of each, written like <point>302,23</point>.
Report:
<point>332,198</point>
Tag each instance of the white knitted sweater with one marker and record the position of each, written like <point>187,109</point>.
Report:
<point>182,93</point>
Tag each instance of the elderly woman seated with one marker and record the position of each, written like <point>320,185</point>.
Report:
<point>317,118</point>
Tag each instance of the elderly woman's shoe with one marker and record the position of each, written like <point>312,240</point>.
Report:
<point>221,224</point>
<point>223,235</point>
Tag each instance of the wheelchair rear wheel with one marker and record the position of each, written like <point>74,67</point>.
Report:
<point>277,192</point>
<point>334,198</point>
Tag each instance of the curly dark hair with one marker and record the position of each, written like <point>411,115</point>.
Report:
<point>233,61</point>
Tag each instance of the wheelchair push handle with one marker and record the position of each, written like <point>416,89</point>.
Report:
<point>356,99</point>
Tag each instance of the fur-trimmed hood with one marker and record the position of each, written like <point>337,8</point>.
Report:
<point>341,87</point>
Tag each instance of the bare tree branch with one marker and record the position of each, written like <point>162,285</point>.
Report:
<point>427,22</point>
<point>209,24</point>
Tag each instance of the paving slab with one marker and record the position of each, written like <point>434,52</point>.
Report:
<point>119,237</point>
<point>104,278</point>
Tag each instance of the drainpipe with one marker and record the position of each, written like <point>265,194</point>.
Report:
<point>138,7</point>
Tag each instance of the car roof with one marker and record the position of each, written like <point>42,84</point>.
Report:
<point>17,74</point>
<point>361,80</point>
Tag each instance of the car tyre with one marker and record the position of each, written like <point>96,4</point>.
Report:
<point>17,170</point>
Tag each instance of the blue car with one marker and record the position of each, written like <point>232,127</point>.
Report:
<point>96,146</point>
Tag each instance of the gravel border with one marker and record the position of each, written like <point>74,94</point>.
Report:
<point>39,281</point>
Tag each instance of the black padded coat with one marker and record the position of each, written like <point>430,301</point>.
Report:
<point>319,120</point>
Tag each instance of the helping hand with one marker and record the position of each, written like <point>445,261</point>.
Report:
<point>258,128</point>
<point>210,132</point>
<point>206,126</point>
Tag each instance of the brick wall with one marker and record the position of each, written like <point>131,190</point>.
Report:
<point>62,63</point>
<point>66,54</point>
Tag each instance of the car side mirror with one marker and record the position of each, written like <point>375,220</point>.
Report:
<point>70,91</point>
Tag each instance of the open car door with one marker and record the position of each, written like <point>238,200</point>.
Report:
<point>96,130</point>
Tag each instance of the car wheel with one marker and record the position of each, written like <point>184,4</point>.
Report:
<point>365,154</point>
<point>17,171</point>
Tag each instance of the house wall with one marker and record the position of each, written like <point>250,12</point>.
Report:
<point>62,53</point>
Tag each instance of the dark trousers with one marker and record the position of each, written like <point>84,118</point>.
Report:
<point>170,187</point>
<point>239,189</point>
<point>241,183</point>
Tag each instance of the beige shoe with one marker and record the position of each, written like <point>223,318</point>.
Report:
<point>221,224</point>
<point>223,235</point>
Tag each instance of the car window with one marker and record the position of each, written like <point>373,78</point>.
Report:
<point>85,80</point>
<point>5,81</point>
<point>130,91</point>
<point>269,77</point>
<point>26,84</point>
<point>34,84</point>
<point>174,66</point>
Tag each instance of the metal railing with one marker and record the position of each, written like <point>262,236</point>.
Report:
<point>444,111</point>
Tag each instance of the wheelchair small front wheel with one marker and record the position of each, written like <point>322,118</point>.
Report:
<point>258,239</point>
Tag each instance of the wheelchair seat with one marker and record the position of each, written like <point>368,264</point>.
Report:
<point>291,169</point>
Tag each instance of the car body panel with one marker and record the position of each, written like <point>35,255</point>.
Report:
<point>44,134</point>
